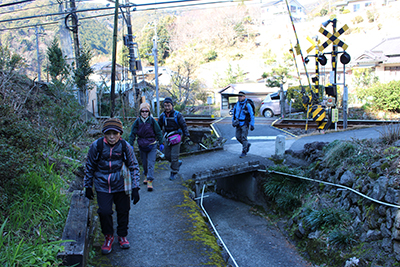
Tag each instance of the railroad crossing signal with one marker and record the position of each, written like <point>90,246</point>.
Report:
<point>318,114</point>
<point>313,44</point>
<point>333,38</point>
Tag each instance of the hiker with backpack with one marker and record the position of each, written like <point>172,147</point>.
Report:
<point>112,168</point>
<point>148,132</point>
<point>175,131</point>
<point>243,120</point>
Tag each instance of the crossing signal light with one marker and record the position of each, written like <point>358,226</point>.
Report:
<point>322,60</point>
<point>330,90</point>
<point>345,58</point>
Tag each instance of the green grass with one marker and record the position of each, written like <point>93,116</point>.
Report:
<point>34,219</point>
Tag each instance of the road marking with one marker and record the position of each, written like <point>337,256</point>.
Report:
<point>258,138</point>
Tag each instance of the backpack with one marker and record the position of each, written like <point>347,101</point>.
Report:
<point>176,120</point>
<point>251,102</point>
<point>100,148</point>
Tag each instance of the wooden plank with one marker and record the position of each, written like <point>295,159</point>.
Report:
<point>75,229</point>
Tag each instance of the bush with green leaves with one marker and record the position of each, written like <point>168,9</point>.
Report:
<point>325,219</point>
<point>37,122</point>
<point>296,93</point>
<point>285,191</point>
<point>357,19</point>
<point>341,238</point>
<point>385,96</point>
<point>338,151</point>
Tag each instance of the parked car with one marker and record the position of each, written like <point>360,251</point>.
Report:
<point>271,105</point>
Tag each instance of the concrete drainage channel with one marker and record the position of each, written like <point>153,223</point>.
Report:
<point>241,181</point>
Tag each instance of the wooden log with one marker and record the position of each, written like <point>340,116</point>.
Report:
<point>76,229</point>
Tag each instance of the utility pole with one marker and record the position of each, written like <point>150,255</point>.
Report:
<point>74,29</point>
<point>65,38</point>
<point>155,53</point>
<point>114,56</point>
<point>38,31</point>
<point>132,55</point>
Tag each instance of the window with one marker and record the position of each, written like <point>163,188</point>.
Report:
<point>356,7</point>
<point>293,9</point>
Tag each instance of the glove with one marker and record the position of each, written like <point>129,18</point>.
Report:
<point>251,128</point>
<point>135,195</point>
<point>161,147</point>
<point>89,193</point>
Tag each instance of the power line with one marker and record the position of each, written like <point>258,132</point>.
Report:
<point>130,5</point>
<point>104,15</point>
<point>15,3</point>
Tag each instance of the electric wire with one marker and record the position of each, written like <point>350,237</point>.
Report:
<point>215,230</point>
<point>15,3</point>
<point>337,185</point>
<point>107,8</point>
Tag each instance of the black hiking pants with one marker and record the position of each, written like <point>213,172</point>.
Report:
<point>105,211</point>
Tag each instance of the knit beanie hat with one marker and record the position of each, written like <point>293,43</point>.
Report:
<point>168,100</point>
<point>144,105</point>
<point>113,124</point>
<point>242,93</point>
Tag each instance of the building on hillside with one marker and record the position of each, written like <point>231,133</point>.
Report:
<point>123,83</point>
<point>357,5</point>
<point>255,91</point>
<point>383,58</point>
<point>272,9</point>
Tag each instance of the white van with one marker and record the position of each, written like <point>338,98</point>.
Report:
<point>271,105</point>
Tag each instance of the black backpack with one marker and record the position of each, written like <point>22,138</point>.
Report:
<point>100,148</point>
<point>251,102</point>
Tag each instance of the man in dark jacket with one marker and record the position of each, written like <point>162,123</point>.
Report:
<point>242,120</point>
<point>105,160</point>
<point>174,127</point>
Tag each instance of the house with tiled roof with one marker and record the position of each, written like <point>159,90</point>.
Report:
<point>383,58</point>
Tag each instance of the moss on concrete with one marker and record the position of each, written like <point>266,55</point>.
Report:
<point>199,231</point>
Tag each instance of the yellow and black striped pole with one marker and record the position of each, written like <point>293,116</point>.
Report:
<point>302,58</point>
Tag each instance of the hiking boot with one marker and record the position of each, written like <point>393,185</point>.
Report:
<point>123,242</point>
<point>106,248</point>
<point>243,155</point>
<point>149,185</point>
<point>248,147</point>
<point>173,176</point>
<point>145,180</point>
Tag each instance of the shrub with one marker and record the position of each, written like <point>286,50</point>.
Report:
<point>385,96</point>
<point>325,218</point>
<point>338,151</point>
<point>390,133</point>
<point>285,191</point>
<point>341,238</point>
<point>357,19</point>
<point>372,16</point>
<point>210,56</point>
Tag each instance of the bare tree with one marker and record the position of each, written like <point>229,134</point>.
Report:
<point>184,84</point>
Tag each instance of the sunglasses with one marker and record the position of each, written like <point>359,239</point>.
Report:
<point>144,111</point>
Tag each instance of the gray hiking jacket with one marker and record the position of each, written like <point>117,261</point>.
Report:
<point>104,169</point>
